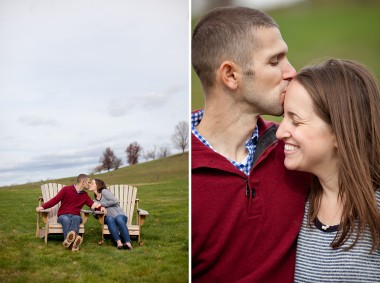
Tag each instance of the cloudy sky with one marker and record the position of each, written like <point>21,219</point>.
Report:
<point>77,76</point>
<point>198,6</point>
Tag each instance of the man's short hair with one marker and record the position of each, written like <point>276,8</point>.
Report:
<point>82,177</point>
<point>226,33</point>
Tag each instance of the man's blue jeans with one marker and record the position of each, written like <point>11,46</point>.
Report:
<point>69,222</point>
<point>116,224</point>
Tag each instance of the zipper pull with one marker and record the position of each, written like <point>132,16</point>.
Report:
<point>248,191</point>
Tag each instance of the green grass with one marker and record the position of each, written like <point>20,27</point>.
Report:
<point>161,257</point>
<point>320,29</point>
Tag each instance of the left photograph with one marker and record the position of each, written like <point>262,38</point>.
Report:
<point>94,169</point>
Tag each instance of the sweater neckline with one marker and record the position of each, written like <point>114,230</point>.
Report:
<point>324,227</point>
<point>101,195</point>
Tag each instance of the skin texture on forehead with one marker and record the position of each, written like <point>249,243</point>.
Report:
<point>269,43</point>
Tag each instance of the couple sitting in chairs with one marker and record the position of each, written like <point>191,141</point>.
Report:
<point>73,198</point>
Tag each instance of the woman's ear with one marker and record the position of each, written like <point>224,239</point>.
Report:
<point>228,72</point>
<point>335,142</point>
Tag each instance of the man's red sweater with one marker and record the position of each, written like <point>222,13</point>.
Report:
<point>71,201</point>
<point>244,228</point>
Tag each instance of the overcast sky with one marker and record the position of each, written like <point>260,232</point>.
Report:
<point>77,76</point>
<point>198,6</point>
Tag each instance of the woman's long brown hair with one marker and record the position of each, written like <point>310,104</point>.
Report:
<point>346,96</point>
<point>100,185</point>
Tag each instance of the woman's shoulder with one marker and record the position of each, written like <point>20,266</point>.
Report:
<point>107,192</point>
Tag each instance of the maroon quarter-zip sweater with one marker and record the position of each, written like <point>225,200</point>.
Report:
<point>244,228</point>
<point>71,201</point>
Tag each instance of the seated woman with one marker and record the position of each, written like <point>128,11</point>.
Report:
<point>115,218</point>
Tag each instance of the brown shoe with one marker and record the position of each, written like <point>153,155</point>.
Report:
<point>69,239</point>
<point>78,241</point>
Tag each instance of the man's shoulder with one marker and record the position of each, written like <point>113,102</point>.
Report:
<point>68,188</point>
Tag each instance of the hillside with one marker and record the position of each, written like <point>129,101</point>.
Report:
<point>171,168</point>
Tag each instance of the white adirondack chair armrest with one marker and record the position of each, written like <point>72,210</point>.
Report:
<point>142,212</point>
<point>93,212</point>
<point>44,213</point>
<point>86,211</point>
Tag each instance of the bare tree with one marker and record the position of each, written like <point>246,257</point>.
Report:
<point>164,151</point>
<point>97,169</point>
<point>180,137</point>
<point>109,160</point>
<point>133,153</point>
<point>117,163</point>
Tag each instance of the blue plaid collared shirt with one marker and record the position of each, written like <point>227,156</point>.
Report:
<point>246,165</point>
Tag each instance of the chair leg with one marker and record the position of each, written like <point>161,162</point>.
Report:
<point>38,226</point>
<point>46,232</point>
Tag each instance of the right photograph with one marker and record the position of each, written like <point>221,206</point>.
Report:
<point>285,142</point>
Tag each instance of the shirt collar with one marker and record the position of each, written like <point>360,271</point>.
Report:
<point>78,191</point>
<point>246,165</point>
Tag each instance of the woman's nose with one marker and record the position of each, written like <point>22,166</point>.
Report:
<point>281,131</point>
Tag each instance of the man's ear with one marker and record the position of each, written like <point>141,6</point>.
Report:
<point>229,75</point>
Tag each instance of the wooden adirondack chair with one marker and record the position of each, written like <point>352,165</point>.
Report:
<point>129,203</point>
<point>49,216</point>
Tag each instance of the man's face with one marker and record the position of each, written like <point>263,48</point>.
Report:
<point>265,90</point>
<point>86,183</point>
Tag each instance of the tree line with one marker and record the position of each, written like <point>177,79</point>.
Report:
<point>134,151</point>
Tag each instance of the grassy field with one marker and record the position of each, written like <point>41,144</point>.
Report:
<point>161,257</point>
<point>317,29</point>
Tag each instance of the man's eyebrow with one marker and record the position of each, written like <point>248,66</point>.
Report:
<point>281,53</point>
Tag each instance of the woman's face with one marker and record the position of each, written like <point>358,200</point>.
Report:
<point>310,144</point>
<point>93,187</point>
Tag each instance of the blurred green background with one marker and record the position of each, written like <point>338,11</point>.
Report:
<point>319,29</point>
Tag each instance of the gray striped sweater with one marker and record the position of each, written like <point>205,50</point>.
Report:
<point>316,261</point>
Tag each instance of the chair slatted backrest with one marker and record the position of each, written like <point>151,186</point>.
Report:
<point>49,191</point>
<point>127,198</point>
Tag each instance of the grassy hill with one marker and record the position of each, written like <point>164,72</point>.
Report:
<point>318,29</point>
<point>161,257</point>
<point>161,170</point>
